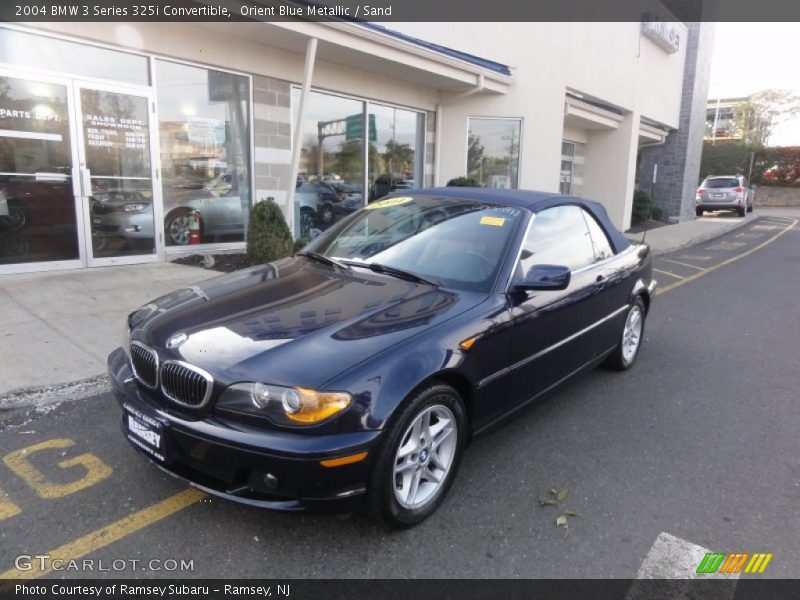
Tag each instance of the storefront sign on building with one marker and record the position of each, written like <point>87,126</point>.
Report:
<point>665,34</point>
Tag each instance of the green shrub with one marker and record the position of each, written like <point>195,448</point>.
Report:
<point>299,243</point>
<point>268,235</point>
<point>462,182</point>
<point>643,205</point>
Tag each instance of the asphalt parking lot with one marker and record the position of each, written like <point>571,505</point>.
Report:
<point>698,441</point>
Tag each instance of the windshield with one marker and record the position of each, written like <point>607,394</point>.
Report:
<point>721,183</point>
<point>458,243</point>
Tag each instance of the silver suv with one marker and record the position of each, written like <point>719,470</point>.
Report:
<point>724,192</point>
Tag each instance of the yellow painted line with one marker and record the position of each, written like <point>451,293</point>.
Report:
<point>18,461</point>
<point>8,508</point>
<point>728,261</point>
<point>669,273</point>
<point>683,264</point>
<point>111,533</point>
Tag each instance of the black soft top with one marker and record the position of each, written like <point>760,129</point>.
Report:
<point>527,199</point>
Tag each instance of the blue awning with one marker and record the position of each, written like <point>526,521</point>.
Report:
<point>469,58</point>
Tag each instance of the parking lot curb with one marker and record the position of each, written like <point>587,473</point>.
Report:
<point>37,397</point>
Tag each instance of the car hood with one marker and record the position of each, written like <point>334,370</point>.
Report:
<point>293,322</point>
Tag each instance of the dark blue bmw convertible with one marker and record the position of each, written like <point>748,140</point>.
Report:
<point>356,372</point>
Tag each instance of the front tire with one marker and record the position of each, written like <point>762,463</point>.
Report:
<point>630,341</point>
<point>176,227</point>
<point>419,458</point>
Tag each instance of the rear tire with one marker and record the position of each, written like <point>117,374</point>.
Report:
<point>750,208</point>
<point>630,338</point>
<point>15,220</point>
<point>740,211</point>
<point>424,441</point>
<point>698,212</point>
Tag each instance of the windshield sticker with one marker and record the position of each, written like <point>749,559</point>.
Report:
<point>389,202</point>
<point>496,221</point>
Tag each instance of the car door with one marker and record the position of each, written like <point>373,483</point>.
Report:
<point>555,332</point>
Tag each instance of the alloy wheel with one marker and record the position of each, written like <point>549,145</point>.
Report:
<point>424,457</point>
<point>179,229</point>
<point>632,334</point>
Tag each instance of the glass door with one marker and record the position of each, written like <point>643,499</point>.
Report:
<point>40,223</point>
<point>116,166</point>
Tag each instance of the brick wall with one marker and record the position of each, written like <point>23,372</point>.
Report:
<point>430,149</point>
<point>272,135</point>
<point>777,196</point>
<point>679,158</point>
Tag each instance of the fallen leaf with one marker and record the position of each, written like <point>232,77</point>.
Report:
<point>570,513</point>
<point>562,494</point>
<point>547,502</point>
<point>561,521</point>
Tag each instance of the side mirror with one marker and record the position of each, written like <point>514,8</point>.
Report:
<point>545,277</point>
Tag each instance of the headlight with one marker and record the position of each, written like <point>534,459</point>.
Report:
<point>283,405</point>
<point>134,207</point>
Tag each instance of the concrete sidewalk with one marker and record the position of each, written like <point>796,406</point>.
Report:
<point>672,237</point>
<point>58,327</point>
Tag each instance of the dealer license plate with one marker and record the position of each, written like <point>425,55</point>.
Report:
<point>145,432</point>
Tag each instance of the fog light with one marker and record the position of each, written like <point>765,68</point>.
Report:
<point>271,481</point>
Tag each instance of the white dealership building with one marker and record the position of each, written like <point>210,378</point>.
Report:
<point>116,138</point>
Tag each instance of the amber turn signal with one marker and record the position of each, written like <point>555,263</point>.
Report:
<point>343,460</point>
<point>468,343</point>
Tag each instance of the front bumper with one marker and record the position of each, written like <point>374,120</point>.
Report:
<point>651,288</point>
<point>231,459</point>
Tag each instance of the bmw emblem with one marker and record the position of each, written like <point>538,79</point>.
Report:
<point>176,340</point>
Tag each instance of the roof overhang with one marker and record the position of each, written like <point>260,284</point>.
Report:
<point>589,116</point>
<point>373,51</point>
<point>651,134</point>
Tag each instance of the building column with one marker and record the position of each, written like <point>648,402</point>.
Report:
<point>610,168</point>
<point>678,159</point>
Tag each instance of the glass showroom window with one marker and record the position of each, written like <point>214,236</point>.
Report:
<point>493,152</point>
<point>571,178</point>
<point>330,180</point>
<point>205,152</point>
<point>396,140</point>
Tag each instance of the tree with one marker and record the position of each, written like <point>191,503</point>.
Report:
<point>475,152</point>
<point>756,118</point>
<point>399,157</point>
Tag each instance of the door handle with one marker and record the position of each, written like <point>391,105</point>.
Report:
<point>600,282</point>
<point>86,182</point>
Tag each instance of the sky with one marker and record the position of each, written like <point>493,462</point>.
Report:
<point>750,57</point>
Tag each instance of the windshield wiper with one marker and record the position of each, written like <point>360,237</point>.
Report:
<point>399,273</point>
<point>324,259</point>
